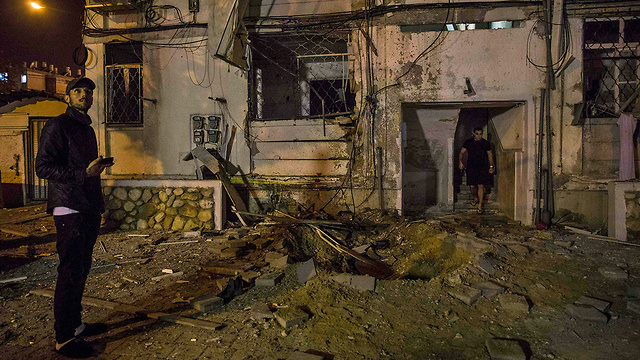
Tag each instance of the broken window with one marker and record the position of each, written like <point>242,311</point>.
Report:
<point>300,76</point>
<point>123,72</point>
<point>611,65</point>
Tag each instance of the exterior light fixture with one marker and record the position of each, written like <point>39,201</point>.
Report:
<point>35,5</point>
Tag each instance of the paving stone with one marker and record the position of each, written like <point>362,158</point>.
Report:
<point>298,355</point>
<point>260,311</point>
<point>513,302</point>
<point>237,243</point>
<point>489,289</point>
<point>230,253</point>
<point>290,317</point>
<point>633,306</point>
<point>207,303</point>
<point>358,282</point>
<point>306,271</point>
<point>218,248</point>
<point>466,294</point>
<point>488,264</point>
<point>602,305</point>
<point>505,349</point>
<point>587,313</point>
<point>270,279</point>
<point>280,262</point>
<point>613,272</point>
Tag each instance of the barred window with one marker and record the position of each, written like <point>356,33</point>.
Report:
<point>611,52</point>
<point>300,76</point>
<point>123,72</point>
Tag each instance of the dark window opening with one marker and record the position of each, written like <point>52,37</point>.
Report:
<point>123,74</point>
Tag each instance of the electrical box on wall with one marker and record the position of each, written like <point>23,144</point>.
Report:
<point>206,130</point>
<point>194,5</point>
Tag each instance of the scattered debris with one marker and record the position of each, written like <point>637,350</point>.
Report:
<point>290,317</point>
<point>207,303</point>
<point>270,279</point>
<point>306,271</point>
<point>358,282</point>
<point>505,349</point>
<point>158,278</point>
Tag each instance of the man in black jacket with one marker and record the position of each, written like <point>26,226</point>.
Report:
<point>68,158</point>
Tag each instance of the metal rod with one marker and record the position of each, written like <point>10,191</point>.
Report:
<point>540,130</point>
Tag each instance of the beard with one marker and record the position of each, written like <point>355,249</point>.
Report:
<point>82,104</point>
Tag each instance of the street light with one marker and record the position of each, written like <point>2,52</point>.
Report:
<point>35,5</point>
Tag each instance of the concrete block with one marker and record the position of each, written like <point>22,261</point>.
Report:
<point>602,305</point>
<point>261,311</point>
<point>466,294</point>
<point>270,279</point>
<point>207,303</point>
<point>229,253</point>
<point>489,289</point>
<point>272,255</point>
<point>505,349</point>
<point>633,306</point>
<point>358,282</point>
<point>261,243</point>
<point>613,272</point>
<point>488,264</point>
<point>290,317</point>
<point>587,313</point>
<point>514,302</point>
<point>298,355</point>
<point>306,271</point>
<point>217,240</point>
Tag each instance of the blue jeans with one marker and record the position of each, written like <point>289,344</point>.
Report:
<point>77,234</point>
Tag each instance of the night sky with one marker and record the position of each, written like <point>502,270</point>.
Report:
<point>48,34</point>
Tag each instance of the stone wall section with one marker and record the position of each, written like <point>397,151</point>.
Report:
<point>163,208</point>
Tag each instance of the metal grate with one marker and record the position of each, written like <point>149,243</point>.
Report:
<point>37,188</point>
<point>124,94</point>
<point>611,50</point>
<point>300,76</point>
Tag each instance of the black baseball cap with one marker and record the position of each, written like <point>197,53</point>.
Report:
<point>80,82</point>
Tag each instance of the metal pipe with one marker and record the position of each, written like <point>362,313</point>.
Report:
<point>539,180</point>
<point>379,170</point>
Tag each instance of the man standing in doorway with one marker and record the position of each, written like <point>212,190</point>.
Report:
<point>68,158</point>
<point>477,154</point>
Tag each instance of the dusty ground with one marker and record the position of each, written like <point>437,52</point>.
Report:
<point>411,316</point>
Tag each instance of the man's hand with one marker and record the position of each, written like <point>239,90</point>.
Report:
<point>491,169</point>
<point>461,165</point>
<point>95,168</point>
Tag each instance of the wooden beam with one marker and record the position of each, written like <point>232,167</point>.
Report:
<point>213,164</point>
<point>139,311</point>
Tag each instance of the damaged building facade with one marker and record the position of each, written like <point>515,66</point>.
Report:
<point>342,105</point>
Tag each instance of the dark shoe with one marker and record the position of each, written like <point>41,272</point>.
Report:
<point>76,349</point>
<point>93,329</point>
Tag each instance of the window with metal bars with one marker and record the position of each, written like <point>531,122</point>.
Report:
<point>300,76</point>
<point>123,73</point>
<point>611,75</point>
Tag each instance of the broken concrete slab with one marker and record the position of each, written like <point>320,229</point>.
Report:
<point>505,349</point>
<point>358,282</point>
<point>613,272</point>
<point>218,248</point>
<point>466,294</point>
<point>272,255</point>
<point>290,317</point>
<point>261,311</point>
<point>270,279</point>
<point>236,243</point>
<point>519,249</point>
<point>602,305</point>
<point>513,302</point>
<point>207,303</point>
<point>298,355</point>
<point>587,313</point>
<point>488,263</point>
<point>489,289</point>
<point>306,271</point>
